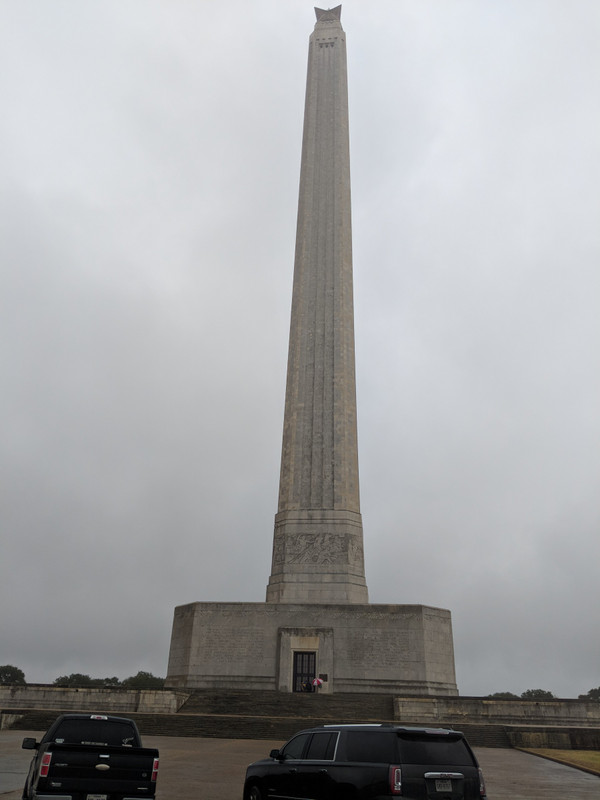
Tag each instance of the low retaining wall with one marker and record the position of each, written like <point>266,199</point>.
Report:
<point>108,700</point>
<point>554,738</point>
<point>478,710</point>
<point>435,711</point>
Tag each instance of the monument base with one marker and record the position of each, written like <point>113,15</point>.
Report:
<point>388,649</point>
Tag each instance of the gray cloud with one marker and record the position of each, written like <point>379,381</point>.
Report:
<point>150,159</point>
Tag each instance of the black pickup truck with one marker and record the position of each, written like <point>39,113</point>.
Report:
<point>368,762</point>
<point>91,757</point>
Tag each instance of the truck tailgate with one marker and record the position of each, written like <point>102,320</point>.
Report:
<point>89,769</point>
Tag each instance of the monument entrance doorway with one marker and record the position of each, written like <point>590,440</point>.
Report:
<point>304,670</point>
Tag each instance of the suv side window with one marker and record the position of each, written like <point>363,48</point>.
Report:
<point>375,747</point>
<point>295,747</point>
<point>322,746</point>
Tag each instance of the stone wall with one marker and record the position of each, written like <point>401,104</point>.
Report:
<point>555,738</point>
<point>457,710</point>
<point>101,700</point>
<point>386,649</point>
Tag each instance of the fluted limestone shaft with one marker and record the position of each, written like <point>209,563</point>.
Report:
<point>318,541</point>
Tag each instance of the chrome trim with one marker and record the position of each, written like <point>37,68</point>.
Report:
<point>53,796</point>
<point>446,775</point>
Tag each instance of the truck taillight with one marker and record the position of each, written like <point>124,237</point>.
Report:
<point>155,769</point>
<point>481,784</point>
<point>45,765</point>
<point>395,780</point>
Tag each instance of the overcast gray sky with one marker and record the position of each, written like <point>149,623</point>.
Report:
<point>149,161</point>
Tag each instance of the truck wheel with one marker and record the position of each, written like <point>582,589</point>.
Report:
<point>254,793</point>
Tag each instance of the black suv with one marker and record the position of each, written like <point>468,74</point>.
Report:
<point>368,762</point>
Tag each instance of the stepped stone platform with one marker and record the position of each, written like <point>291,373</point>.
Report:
<point>275,715</point>
<point>258,715</point>
<point>215,726</point>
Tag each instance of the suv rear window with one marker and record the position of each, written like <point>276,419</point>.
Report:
<point>100,732</point>
<point>374,747</point>
<point>438,750</point>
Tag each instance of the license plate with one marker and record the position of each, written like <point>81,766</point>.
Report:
<point>440,786</point>
<point>96,797</point>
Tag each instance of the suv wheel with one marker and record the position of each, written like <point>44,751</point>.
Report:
<point>254,793</point>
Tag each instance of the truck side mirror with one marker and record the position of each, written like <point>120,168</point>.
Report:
<point>274,754</point>
<point>29,743</point>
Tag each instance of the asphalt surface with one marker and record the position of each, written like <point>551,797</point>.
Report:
<point>214,769</point>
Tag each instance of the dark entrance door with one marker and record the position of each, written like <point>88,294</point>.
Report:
<point>304,669</point>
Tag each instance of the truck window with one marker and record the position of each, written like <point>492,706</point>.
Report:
<point>439,750</point>
<point>100,732</point>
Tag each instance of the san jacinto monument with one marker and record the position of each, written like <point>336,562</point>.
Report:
<point>317,620</point>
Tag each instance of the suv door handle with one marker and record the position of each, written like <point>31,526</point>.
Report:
<point>322,772</point>
<point>293,769</point>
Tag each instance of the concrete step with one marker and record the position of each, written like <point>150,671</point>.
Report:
<point>355,707</point>
<point>28,719</point>
<point>485,735</point>
<point>259,727</point>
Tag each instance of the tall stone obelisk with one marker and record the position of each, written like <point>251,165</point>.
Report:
<point>317,621</point>
<point>318,540</point>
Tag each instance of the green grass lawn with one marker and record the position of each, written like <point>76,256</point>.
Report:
<point>588,759</point>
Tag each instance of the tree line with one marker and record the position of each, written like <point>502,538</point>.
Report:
<point>541,694</point>
<point>14,676</point>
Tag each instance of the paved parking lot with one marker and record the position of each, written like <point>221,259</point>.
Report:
<point>213,769</point>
